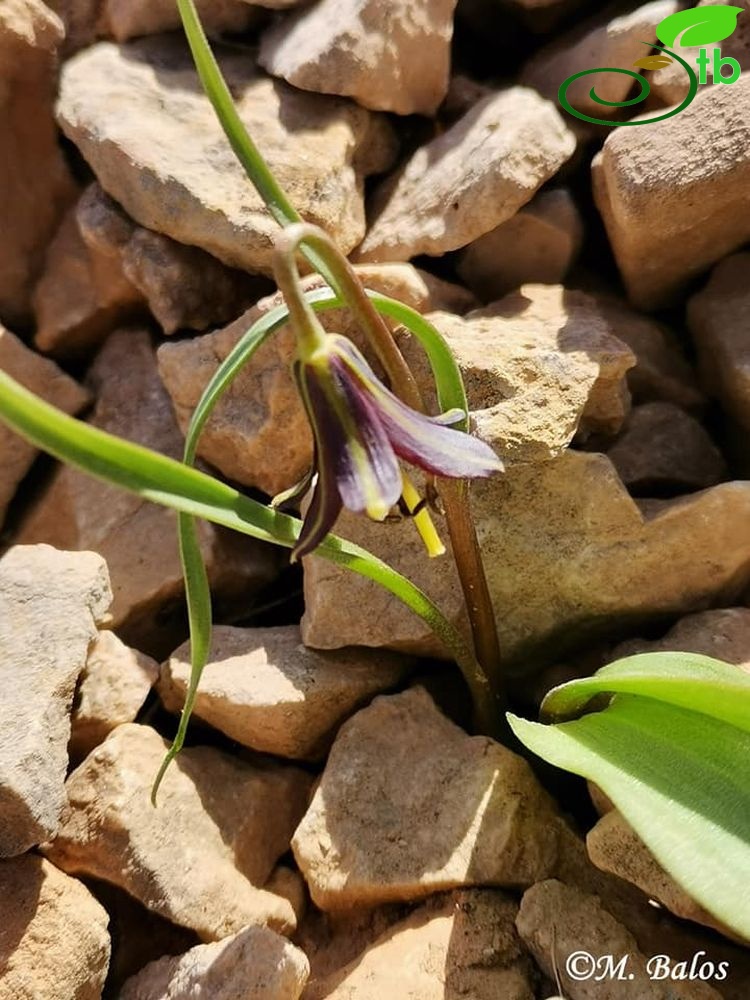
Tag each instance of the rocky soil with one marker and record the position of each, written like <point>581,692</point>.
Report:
<point>332,829</point>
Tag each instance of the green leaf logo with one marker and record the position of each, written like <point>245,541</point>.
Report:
<point>653,62</point>
<point>700,26</point>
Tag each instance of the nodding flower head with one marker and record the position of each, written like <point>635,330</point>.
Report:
<point>361,430</point>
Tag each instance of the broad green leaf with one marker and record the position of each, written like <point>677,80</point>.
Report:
<point>698,26</point>
<point>680,778</point>
<point>653,62</point>
<point>687,680</point>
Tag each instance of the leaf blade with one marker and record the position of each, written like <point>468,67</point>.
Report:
<point>698,26</point>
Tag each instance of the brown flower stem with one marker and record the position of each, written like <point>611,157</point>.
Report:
<point>487,689</point>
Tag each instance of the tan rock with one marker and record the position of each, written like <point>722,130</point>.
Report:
<point>254,964</point>
<point>164,158</point>
<point>540,366</point>
<point>723,634</point>
<point>345,609</point>
<point>663,450</point>
<point>45,379</point>
<point>614,846</point>
<point>289,884</point>
<point>458,945</point>
<point>266,690</point>
<point>409,805</point>
<point>389,58</point>
<point>53,935</point>
<point>717,319</point>
<point>558,920</point>
<point>258,435</point>
<point>112,688</point>
<point>583,560</point>
<point>35,184</point>
<point>470,179</point>
<point>539,244</point>
<point>661,371</point>
<point>139,539</point>
<point>648,202</point>
<point>50,605</point>
<point>201,855</point>
<point>615,42</point>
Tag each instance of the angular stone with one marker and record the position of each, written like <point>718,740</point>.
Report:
<point>82,294</point>
<point>558,920</point>
<point>583,560</point>
<point>50,605</point>
<point>664,450</point>
<point>717,317</point>
<point>460,945</point>
<point>614,846</point>
<point>201,855</point>
<point>254,964</point>
<point>112,688</point>
<point>258,434</point>
<point>345,609</point>
<point>365,839</point>
<point>539,244</point>
<point>393,57</point>
<point>264,689</point>
<point>45,379</point>
<point>470,179</point>
<point>53,935</point>
<point>648,202</point>
<point>165,159</point>
<point>540,366</point>
<point>617,42</point>
<point>137,538</point>
<point>723,634</point>
<point>35,184</point>
<point>661,371</point>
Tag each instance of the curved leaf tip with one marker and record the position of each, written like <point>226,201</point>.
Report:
<point>698,26</point>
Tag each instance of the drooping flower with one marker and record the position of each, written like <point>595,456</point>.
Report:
<point>361,430</point>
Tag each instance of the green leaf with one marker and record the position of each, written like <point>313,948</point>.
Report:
<point>687,680</point>
<point>698,26</point>
<point>670,749</point>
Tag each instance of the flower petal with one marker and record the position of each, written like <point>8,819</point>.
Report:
<point>321,516</point>
<point>424,441</point>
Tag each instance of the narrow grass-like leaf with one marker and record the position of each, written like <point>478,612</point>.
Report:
<point>679,778</point>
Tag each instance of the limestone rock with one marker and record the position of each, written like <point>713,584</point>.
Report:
<point>649,202</point>
<point>409,805</point>
<point>112,688</point>
<point>258,434</point>
<point>558,920</point>
<point>139,539</point>
<point>458,945</point>
<point>50,605</point>
<point>615,847</point>
<point>345,609</point>
<point>617,42</point>
<point>663,450</point>
<point>164,157</point>
<point>723,634</point>
<point>539,244</point>
<point>45,379</point>
<point>717,318</point>
<point>266,690</point>
<point>201,855</point>
<point>393,57</point>
<point>82,294</point>
<point>470,179</point>
<point>583,560</point>
<point>254,964</point>
<point>35,184</point>
<point>540,366</point>
<point>662,372</point>
<point>53,934</point>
